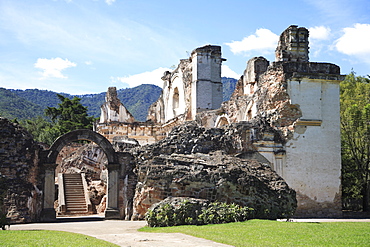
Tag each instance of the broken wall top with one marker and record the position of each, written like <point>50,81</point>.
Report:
<point>293,45</point>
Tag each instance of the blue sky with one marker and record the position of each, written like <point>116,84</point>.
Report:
<point>85,46</point>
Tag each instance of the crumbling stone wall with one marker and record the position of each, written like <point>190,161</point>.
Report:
<point>20,172</point>
<point>294,102</point>
<point>293,45</point>
<point>113,110</point>
<point>88,158</point>
<point>176,82</point>
<point>194,86</point>
<point>198,162</point>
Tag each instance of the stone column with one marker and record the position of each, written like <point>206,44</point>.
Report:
<point>48,211</point>
<point>112,210</point>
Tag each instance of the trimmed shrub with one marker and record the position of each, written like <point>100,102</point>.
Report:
<point>190,211</point>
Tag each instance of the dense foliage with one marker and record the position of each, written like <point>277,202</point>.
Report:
<point>69,115</point>
<point>188,213</point>
<point>13,106</point>
<point>355,133</point>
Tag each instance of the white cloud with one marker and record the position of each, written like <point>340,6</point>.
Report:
<point>355,41</point>
<point>227,72</point>
<point>263,40</point>
<point>319,36</point>
<point>53,67</point>
<point>319,33</point>
<point>149,77</point>
<point>154,77</point>
<point>109,2</point>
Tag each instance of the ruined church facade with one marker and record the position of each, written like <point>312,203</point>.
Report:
<point>296,98</point>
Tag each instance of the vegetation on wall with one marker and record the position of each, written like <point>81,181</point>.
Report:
<point>355,134</point>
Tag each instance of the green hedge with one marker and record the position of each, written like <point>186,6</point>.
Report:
<point>187,213</point>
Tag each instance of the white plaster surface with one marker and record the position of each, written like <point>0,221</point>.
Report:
<point>313,161</point>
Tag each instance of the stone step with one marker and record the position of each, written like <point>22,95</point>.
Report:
<point>75,191</point>
<point>77,212</point>
<point>75,202</point>
<point>74,194</point>
<point>75,206</point>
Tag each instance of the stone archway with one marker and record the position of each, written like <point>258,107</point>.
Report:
<point>112,210</point>
<point>222,121</point>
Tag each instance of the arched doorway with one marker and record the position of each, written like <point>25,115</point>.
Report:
<point>49,165</point>
<point>222,121</point>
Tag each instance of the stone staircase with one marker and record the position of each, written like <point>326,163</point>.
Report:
<point>74,194</point>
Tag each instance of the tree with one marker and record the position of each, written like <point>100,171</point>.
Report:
<point>355,134</point>
<point>70,115</point>
<point>41,129</point>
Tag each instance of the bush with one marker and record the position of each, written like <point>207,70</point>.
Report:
<point>221,212</point>
<point>174,212</point>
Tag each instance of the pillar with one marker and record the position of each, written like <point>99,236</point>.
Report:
<point>112,210</point>
<point>48,211</point>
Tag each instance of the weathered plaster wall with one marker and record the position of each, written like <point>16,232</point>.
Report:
<point>313,161</point>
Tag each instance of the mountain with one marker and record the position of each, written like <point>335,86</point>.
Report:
<point>26,104</point>
<point>228,87</point>
<point>137,100</point>
<point>13,106</point>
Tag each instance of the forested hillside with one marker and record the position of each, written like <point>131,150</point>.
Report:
<point>27,104</point>
<point>13,106</point>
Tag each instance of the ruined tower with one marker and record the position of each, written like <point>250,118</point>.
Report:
<point>293,45</point>
<point>113,110</point>
<point>206,83</point>
<point>312,164</point>
<point>194,86</point>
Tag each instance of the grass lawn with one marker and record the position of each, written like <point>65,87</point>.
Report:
<point>275,233</point>
<point>48,238</point>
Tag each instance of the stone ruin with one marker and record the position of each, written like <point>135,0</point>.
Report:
<point>20,175</point>
<point>199,162</point>
<point>296,98</point>
<point>274,145</point>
